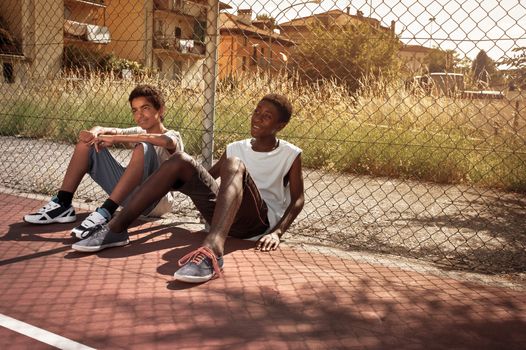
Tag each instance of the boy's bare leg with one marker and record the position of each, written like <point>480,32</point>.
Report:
<point>227,205</point>
<point>77,168</point>
<point>153,189</point>
<point>132,176</point>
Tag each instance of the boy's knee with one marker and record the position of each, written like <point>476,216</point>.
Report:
<point>179,156</point>
<point>144,147</point>
<point>182,164</point>
<point>233,165</point>
<point>139,148</point>
<point>180,159</point>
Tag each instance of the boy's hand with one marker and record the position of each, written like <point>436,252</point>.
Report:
<point>268,242</point>
<point>102,141</point>
<point>86,136</point>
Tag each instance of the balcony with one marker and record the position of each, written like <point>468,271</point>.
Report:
<point>178,47</point>
<point>86,32</point>
<point>96,3</point>
<point>180,7</point>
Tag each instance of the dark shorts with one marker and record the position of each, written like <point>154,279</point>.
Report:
<point>251,219</point>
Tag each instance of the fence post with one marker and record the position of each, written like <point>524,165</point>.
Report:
<point>210,80</point>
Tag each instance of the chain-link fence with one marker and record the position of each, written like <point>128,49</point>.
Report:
<point>410,114</point>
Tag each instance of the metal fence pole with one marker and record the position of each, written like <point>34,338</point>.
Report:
<point>210,80</point>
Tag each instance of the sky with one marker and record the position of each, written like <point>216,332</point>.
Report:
<point>467,26</point>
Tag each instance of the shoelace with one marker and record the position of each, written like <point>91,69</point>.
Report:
<point>197,257</point>
<point>94,231</point>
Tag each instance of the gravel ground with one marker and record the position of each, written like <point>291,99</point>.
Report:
<point>451,226</point>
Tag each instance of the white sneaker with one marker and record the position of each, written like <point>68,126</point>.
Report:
<point>99,217</point>
<point>52,212</point>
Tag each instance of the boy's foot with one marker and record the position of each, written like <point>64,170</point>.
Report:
<point>98,217</point>
<point>101,238</point>
<point>52,212</point>
<point>199,266</point>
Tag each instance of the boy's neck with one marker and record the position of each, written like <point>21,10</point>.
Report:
<point>264,144</point>
<point>157,129</point>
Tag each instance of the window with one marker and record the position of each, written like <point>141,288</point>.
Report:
<point>159,27</point>
<point>9,74</point>
<point>177,70</point>
<point>199,31</point>
<point>67,12</point>
<point>177,4</point>
<point>159,64</point>
<point>254,55</point>
<point>178,33</point>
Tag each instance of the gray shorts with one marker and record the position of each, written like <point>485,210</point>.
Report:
<point>251,219</point>
<point>106,171</point>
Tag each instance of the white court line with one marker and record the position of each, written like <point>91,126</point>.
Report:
<point>41,335</point>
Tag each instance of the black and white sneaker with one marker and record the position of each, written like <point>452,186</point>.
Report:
<point>98,217</point>
<point>52,212</point>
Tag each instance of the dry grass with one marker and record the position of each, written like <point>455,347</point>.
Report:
<point>384,130</point>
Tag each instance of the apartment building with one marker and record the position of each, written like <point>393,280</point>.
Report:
<point>31,39</point>
<point>250,46</point>
<point>167,36</point>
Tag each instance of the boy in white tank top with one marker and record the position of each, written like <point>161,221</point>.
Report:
<point>260,195</point>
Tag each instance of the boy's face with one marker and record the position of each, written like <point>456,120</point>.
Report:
<point>265,120</point>
<point>145,114</point>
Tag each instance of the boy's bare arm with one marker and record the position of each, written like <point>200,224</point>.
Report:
<point>297,200</point>
<point>161,140</point>
<point>88,135</point>
<point>215,169</point>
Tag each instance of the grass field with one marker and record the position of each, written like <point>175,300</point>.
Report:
<point>382,131</point>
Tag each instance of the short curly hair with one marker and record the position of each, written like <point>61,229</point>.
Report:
<point>151,93</point>
<point>283,105</point>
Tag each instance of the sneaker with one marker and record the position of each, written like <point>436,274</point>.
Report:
<point>101,238</point>
<point>199,266</point>
<point>99,217</point>
<point>52,212</point>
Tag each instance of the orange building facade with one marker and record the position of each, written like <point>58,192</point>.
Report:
<point>250,47</point>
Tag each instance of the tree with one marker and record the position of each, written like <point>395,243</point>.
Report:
<point>484,71</point>
<point>266,17</point>
<point>517,65</point>
<point>348,55</point>
<point>464,65</point>
<point>442,60</point>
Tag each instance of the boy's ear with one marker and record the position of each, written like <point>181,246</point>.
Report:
<point>281,126</point>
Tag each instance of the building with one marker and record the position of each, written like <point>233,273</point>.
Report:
<point>167,36</point>
<point>31,39</point>
<point>250,46</point>
<point>414,58</point>
<point>299,29</point>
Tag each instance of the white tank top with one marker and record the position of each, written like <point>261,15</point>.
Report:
<point>268,169</point>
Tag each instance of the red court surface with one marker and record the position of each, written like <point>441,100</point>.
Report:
<point>125,298</point>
